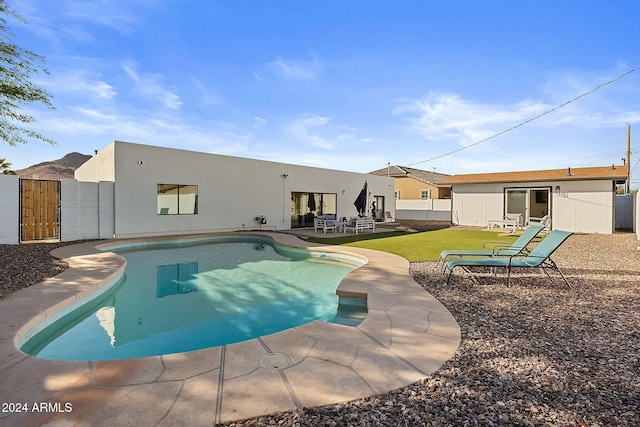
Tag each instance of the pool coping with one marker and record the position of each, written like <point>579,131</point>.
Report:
<point>406,336</point>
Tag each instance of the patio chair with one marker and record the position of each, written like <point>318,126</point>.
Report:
<point>545,221</point>
<point>539,257</point>
<point>497,249</point>
<point>388,217</point>
<point>325,222</point>
<point>512,220</point>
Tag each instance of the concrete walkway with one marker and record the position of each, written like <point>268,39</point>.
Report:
<point>406,336</point>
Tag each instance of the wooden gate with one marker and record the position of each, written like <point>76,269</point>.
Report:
<point>39,210</point>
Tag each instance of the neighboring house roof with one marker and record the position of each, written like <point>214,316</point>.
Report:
<point>567,174</point>
<point>432,178</point>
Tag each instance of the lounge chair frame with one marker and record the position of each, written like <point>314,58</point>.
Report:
<point>518,247</point>
<point>540,257</point>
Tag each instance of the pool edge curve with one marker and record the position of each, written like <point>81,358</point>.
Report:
<point>406,336</point>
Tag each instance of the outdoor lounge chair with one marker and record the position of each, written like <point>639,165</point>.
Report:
<point>498,248</point>
<point>540,257</point>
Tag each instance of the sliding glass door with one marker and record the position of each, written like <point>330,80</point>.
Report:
<point>539,204</point>
<point>306,206</point>
<point>528,202</point>
<point>516,202</point>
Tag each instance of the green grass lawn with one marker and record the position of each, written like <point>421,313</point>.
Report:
<point>424,246</point>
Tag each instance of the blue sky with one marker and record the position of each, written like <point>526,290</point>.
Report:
<point>347,85</point>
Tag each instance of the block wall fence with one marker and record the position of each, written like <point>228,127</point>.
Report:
<point>86,210</point>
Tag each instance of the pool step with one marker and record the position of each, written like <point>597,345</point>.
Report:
<point>351,311</point>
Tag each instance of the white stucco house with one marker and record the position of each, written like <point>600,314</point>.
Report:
<point>576,199</point>
<point>163,191</point>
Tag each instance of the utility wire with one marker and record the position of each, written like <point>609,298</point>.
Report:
<point>600,86</point>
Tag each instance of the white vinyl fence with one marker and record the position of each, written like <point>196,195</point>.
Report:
<point>424,210</point>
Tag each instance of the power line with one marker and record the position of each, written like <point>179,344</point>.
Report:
<point>529,120</point>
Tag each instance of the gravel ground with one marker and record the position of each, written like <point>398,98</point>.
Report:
<point>26,265</point>
<point>533,354</point>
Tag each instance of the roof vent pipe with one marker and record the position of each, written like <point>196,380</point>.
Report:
<point>613,166</point>
<point>569,172</point>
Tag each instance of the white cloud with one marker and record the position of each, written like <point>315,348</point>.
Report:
<point>296,69</point>
<point>320,131</point>
<point>78,125</point>
<point>207,96</point>
<point>80,83</point>
<point>119,15</point>
<point>446,116</point>
<point>307,129</point>
<point>569,128</point>
<point>259,122</point>
<point>149,85</point>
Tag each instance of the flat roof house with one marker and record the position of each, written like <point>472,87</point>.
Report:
<point>576,199</point>
<point>161,191</point>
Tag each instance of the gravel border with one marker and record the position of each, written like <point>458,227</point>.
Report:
<point>533,354</point>
<point>24,265</point>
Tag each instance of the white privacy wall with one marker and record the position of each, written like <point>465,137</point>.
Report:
<point>86,210</point>
<point>424,210</point>
<point>232,191</point>
<point>10,209</point>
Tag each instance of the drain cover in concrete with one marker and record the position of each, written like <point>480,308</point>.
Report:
<point>274,361</point>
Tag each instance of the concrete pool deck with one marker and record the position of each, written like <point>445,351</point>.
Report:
<point>406,336</point>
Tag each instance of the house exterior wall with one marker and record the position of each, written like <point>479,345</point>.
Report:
<point>411,188</point>
<point>585,207</point>
<point>10,212</point>
<point>476,204</point>
<point>232,191</point>
<point>580,206</point>
<point>103,167</point>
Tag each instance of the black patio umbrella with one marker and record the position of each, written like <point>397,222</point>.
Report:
<point>361,200</point>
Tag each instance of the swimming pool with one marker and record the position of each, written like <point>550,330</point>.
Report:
<point>198,294</point>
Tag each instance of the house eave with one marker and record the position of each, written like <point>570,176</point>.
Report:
<point>610,173</point>
<point>537,180</point>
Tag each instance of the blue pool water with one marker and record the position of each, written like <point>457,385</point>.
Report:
<point>181,298</point>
